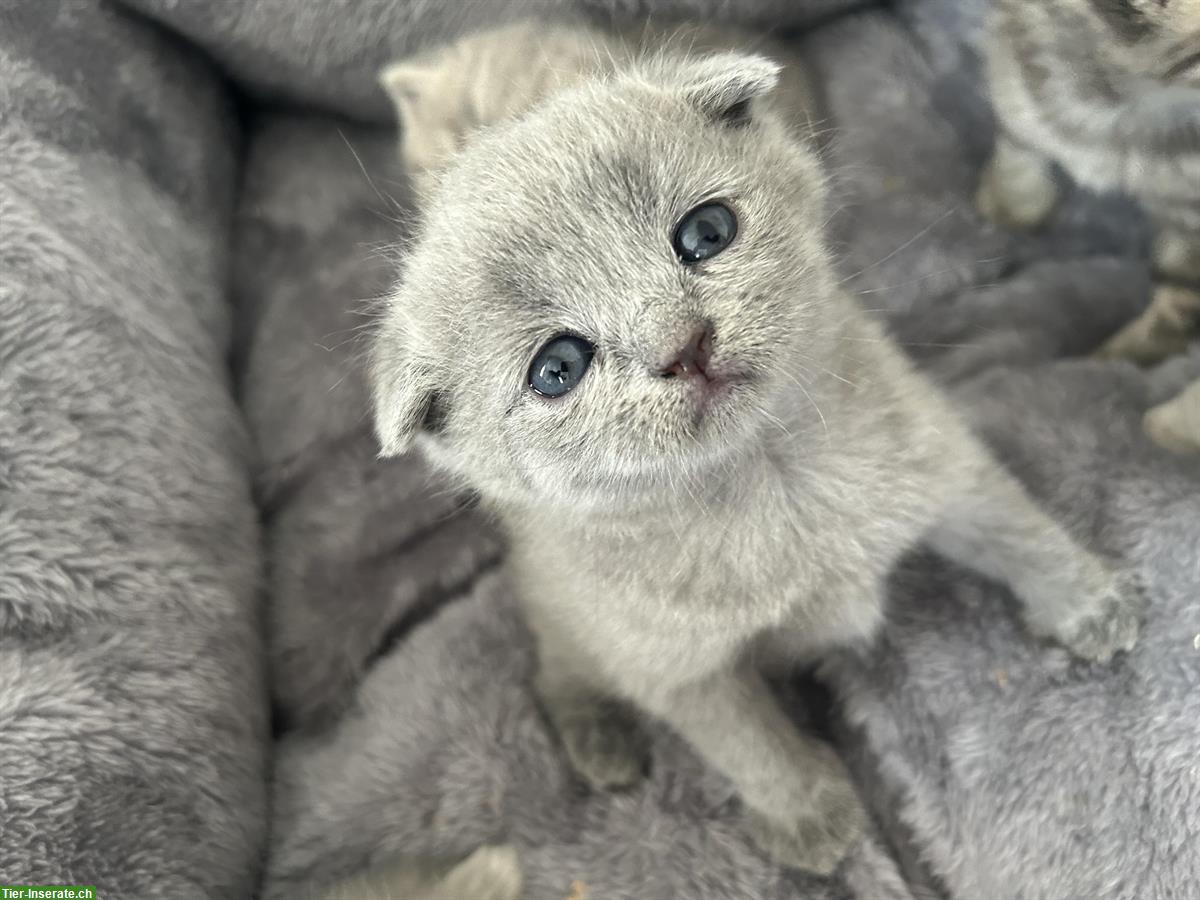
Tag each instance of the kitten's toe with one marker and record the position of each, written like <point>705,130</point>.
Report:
<point>818,836</point>
<point>1165,328</point>
<point>1111,624</point>
<point>1175,425</point>
<point>605,744</point>
<point>490,873</point>
<point>1019,207</point>
<point>988,202</point>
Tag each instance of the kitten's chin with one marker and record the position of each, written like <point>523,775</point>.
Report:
<point>701,462</point>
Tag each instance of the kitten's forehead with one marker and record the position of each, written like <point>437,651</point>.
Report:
<point>607,147</point>
<point>565,217</point>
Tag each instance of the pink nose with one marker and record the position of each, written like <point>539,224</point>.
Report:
<point>694,357</point>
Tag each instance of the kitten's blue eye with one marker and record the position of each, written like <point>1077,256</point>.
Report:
<point>559,366</point>
<point>704,232</point>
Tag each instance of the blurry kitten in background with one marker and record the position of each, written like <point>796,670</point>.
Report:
<point>619,323</point>
<point>484,78</point>
<point>1109,89</point>
<point>489,77</point>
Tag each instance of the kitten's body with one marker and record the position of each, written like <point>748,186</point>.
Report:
<point>1110,89</point>
<point>673,537</point>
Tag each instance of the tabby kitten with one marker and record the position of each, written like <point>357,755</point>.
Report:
<point>1109,89</point>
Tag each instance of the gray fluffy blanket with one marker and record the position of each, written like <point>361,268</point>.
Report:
<point>130,698</point>
<point>133,713</point>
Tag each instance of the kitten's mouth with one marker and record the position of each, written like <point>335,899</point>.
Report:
<point>715,393</point>
<point>717,386</point>
<point>708,382</point>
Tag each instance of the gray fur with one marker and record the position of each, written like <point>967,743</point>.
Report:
<point>400,663</point>
<point>664,554</point>
<point>132,699</point>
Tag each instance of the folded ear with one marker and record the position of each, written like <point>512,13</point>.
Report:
<point>723,86</point>
<point>406,83</point>
<point>402,395</point>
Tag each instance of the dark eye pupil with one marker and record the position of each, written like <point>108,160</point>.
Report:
<point>704,232</point>
<point>558,369</point>
<point>559,366</point>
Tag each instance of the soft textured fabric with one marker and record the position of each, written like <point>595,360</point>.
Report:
<point>329,53</point>
<point>132,698</point>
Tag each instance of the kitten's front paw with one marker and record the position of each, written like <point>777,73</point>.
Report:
<point>1109,624</point>
<point>605,743</point>
<point>817,836</point>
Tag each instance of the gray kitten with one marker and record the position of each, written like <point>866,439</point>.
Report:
<point>1110,89</point>
<point>620,324</point>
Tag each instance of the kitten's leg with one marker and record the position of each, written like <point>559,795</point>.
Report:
<point>802,808</point>
<point>601,735</point>
<point>1018,188</point>
<point>1068,593</point>
<point>1175,425</point>
<point>1172,319</point>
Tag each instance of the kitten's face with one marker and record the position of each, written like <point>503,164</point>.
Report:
<point>609,295</point>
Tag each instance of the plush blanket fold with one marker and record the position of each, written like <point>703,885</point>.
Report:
<point>132,697</point>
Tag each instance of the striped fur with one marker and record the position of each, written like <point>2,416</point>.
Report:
<point>1110,90</point>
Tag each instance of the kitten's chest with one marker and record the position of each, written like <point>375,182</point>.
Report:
<point>741,561</point>
<point>744,562</point>
<point>676,592</point>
